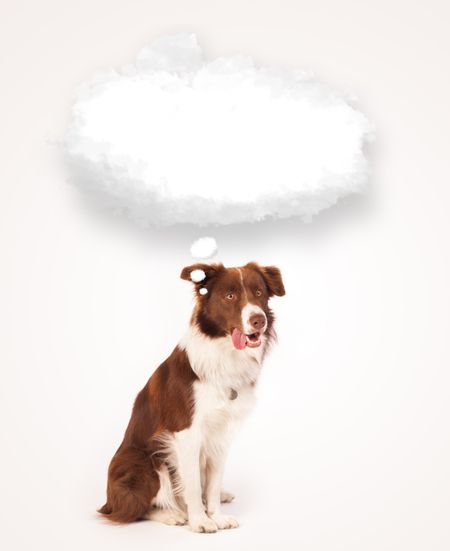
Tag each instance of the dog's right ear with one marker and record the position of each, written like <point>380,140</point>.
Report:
<point>194,272</point>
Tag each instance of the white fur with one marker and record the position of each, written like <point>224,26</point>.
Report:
<point>217,361</point>
<point>168,516</point>
<point>247,312</point>
<point>199,452</point>
<point>167,496</point>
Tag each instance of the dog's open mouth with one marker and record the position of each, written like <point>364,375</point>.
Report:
<point>241,340</point>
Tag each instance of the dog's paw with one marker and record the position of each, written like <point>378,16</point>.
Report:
<point>226,497</point>
<point>170,517</point>
<point>177,519</point>
<point>202,524</point>
<point>223,522</point>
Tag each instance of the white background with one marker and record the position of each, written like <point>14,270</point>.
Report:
<point>348,448</point>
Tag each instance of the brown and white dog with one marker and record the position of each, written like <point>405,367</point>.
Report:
<point>170,464</point>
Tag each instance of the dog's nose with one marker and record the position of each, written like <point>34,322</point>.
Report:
<point>257,321</point>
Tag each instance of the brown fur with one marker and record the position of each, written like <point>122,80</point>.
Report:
<point>214,313</point>
<point>165,404</point>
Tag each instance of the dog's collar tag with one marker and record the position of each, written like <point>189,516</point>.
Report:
<point>233,394</point>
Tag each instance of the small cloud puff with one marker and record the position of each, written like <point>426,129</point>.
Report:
<point>204,248</point>
<point>197,276</point>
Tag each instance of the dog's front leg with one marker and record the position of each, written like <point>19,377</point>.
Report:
<point>214,469</point>
<point>188,458</point>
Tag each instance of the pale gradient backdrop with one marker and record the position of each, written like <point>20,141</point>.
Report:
<point>349,446</point>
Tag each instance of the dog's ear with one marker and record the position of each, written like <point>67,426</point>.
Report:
<point>272,278</point>
<point>194,272</point>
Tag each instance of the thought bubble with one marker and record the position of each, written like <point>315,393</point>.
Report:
<point>204,248</point>
<point>176,138</point>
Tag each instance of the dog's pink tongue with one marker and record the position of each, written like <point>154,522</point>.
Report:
<point>239,339</point>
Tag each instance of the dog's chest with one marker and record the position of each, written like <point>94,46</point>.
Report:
<point>218,412</point>
<point>225,390</point>
<point>217,406</point>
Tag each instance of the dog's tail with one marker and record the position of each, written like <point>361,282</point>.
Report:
<point>132,483</point>
<point>129,510</point>
<point>105,510</point>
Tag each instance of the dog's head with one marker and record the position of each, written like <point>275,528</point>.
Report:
<point>234,301</point>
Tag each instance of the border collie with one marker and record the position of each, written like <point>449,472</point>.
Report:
<point>170,464</point>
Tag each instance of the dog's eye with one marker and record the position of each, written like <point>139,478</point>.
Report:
<point>258,292</point>
<point>230,296</point>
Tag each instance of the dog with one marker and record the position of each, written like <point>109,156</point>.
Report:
<point>170,464</point>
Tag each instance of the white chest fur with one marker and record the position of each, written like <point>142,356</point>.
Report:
<point>216,361</point>
<point>225,391</point>
<point>216,416</point>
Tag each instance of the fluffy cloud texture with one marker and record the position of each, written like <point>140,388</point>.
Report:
<point>176,138</point>
<point>204,248</point>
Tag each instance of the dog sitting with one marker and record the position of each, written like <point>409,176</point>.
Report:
<point>170,464</point>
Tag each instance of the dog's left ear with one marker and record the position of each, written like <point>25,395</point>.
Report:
<point>272,277</point>
<point>193,272</point>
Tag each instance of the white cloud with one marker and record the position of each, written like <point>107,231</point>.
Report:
<point>197,276</point>
<point>203,248</point>
<point>174,138</point>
